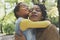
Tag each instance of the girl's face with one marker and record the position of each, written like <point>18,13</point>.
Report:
<point>23,11</point>
<point>35,13</point>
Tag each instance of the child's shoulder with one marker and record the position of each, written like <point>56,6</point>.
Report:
<point>19,20</point>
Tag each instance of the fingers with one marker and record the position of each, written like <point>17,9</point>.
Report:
<point>22,37</point>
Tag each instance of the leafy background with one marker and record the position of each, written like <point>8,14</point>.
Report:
<point>7,18</point>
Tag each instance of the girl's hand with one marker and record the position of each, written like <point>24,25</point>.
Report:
<point>20,37</point>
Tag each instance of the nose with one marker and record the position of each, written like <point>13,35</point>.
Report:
<point>34,11</point>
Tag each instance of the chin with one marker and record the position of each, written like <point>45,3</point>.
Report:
<point>34,19</point>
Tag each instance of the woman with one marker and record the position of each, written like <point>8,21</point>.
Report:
<point>38,13</point>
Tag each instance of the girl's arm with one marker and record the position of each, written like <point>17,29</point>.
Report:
<point>26,23</point>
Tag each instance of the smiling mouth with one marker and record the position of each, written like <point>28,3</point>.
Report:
<point>34,16</point>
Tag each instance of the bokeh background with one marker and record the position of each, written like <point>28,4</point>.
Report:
<point>7,18</point>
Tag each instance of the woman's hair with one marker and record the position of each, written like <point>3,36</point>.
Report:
<point>16,9</point>
<point>43,9</point>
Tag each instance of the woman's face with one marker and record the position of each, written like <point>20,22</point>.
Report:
<point>23,11</point>
<point>35,13</point>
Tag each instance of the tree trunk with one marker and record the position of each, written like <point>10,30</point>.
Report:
<point>1,28</point>
<point>58,6</point>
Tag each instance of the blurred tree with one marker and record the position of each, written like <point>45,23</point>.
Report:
<point>9,28</point>
<point>49,4</point>
<point>7,6</point>
<point>2,6</point>
<point>8,17</point>
<point>35,1</point>
<point>38,1</point>
<point>9,23</point>
<point>54,16</point>
<point>58,5</point>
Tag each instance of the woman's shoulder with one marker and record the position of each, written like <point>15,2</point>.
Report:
<point>52,27</point>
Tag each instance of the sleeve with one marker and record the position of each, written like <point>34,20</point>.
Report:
<point>40,24</point>
<point>51,33</point>
<point>17,28</point>
<point>25,24</point>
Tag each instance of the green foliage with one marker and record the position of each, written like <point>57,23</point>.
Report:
<point>10,0</point>
<point>55,20</point>
<point>9,28</point>
<point>35,1</point>
<point>27,1</point>
<point>54,16</point>
<point>49,4</point>
<point>9,23</point>
<point>7,18</point>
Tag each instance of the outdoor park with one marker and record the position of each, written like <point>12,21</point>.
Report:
<point>7,18</point>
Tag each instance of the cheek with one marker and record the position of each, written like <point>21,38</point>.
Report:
<point>40,15</point>
<point>29,14</point>
<point>20,14</point>
<point>24,11</point>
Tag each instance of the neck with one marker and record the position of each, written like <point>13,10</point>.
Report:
<point>34,20</point>
<point>25,17</point>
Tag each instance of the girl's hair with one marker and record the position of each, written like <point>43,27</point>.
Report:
<point>43,9</point>
<point>16,9</point>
